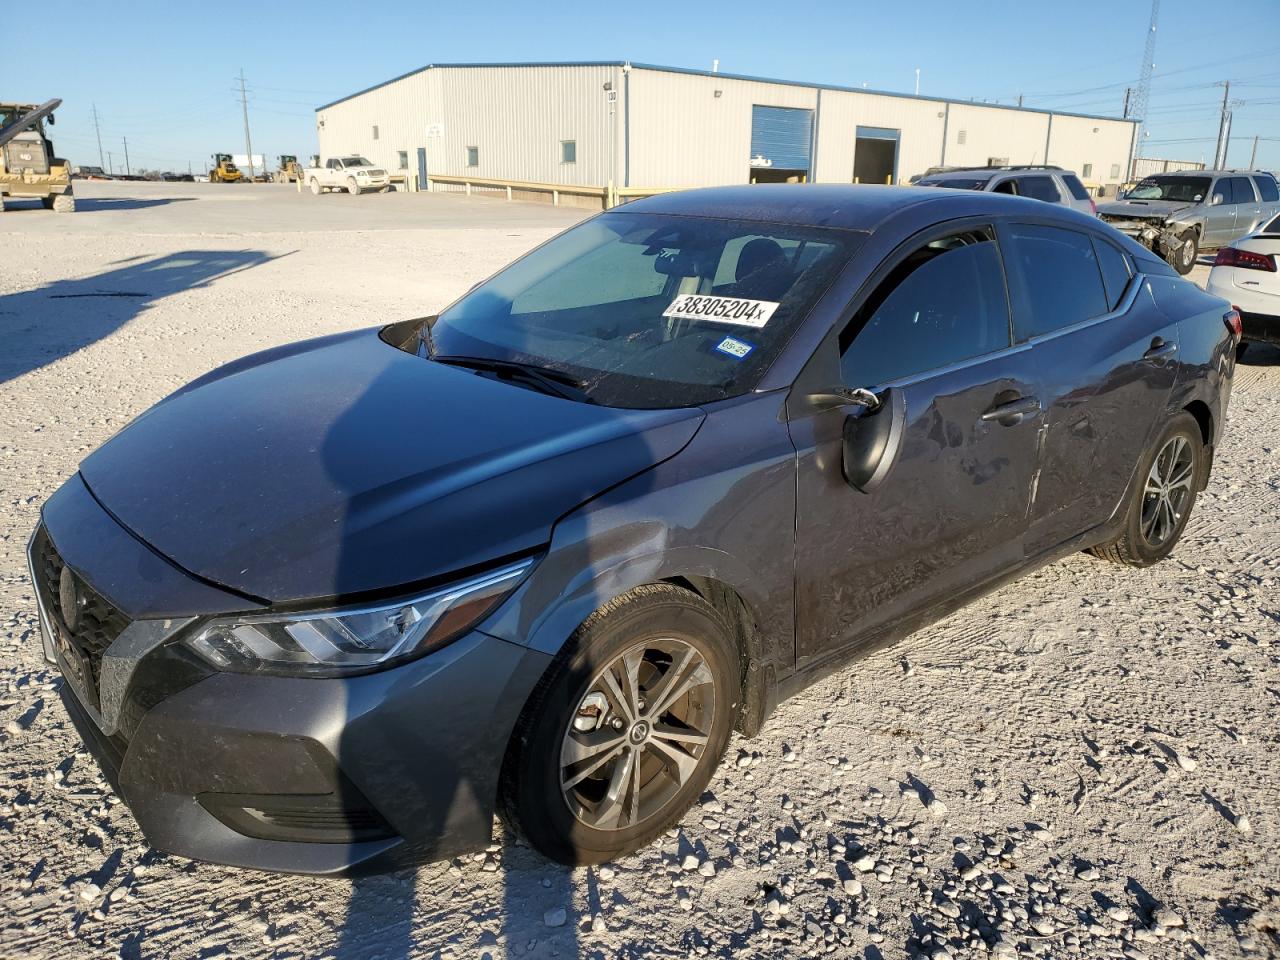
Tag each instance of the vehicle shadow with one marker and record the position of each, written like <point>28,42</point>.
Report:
<point>101,204</point>
<point>41,326</point>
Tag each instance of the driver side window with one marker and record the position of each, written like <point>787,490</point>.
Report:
<point>943,303</point>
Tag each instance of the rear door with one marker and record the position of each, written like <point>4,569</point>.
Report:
<point>1249,210</point>
<point>935,498</point>
<point>1105,362</point>
<point>1270,193</point>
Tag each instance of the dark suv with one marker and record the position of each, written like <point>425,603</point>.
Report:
<point>330,606</point>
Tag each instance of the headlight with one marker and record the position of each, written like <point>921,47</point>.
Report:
<point>355,639</point>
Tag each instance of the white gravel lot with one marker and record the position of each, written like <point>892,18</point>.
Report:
<point>1086,763</point>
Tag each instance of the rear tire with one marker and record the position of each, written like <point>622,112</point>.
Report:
<point>648,685</point>
<point>315,186</point>
<point>1169,478</point>
<point>1183,257</point>
<point>64,203</point>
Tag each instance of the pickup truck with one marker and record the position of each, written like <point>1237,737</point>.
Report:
<point>353,174</point>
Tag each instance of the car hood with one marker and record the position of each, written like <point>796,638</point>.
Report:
<point>1142,209</point>
<point>343,465</point>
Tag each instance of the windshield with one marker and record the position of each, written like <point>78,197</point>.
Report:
<point>1184,189</point>
<point>955,183</point>
<point>647,310</point>
<point>356,162</point>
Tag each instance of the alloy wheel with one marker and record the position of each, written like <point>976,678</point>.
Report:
<point>638,734</point>
<point>1188,251</point>
<point>1167,491</point>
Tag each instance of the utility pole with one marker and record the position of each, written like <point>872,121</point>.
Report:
<point>1128,91</point>
<point>127,171</point>
<point>1219,155</point>
<point>244,106</point>
<point>98,132</point>
<point>917,81</point>
<point>111,166</point>
<point>1253,155</point>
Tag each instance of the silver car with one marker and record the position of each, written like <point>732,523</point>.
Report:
<point>1047,183</point>
<point>1179,214</point>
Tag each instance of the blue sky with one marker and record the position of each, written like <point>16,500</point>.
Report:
<point>162,74</point>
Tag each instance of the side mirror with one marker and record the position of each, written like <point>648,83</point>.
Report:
<point>871,441</point>
<point>844,397</point>
<point>1218,200</point>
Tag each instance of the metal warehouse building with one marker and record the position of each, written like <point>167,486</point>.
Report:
<point>644,128</point>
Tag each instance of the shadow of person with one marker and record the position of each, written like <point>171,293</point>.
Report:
<point>40,326</point>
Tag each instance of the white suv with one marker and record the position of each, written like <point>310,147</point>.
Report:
<point>1047,183</point>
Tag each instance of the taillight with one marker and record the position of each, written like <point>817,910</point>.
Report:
<point>1247,259</point>
<point>1232,319</point>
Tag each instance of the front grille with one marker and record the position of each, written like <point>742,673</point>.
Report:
<point>98,623</point>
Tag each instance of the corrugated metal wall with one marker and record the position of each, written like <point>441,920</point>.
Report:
<point>675,129</point>
<point>516,118</point>
<point>1096,150</point>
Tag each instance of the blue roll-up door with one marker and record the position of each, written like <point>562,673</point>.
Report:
<point>783,136</point>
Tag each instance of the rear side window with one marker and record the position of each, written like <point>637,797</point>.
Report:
<point>1241,191</point>
<point>1061,282</point>
<point>1267,189</point>
<point>1039,188</point>
<point>1115,271</point>
<point>1076,187</point>
<point>945,302</point>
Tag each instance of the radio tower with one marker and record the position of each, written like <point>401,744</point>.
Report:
<point>1138,106</point>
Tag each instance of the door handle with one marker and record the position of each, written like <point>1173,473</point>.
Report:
<point>1014,411</point>
<point>1160,349</point>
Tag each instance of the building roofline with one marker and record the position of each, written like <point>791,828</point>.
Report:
<point>658,68</point>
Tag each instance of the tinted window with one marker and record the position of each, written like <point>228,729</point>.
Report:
<point>944,303</point>
<point>1241,191</point>
<point>1076,187</point>
<point>1061,281</point>
<point>1039,188</point>
<point>1115,271</point>
<point>1267,189</point>
<point>955,183</point>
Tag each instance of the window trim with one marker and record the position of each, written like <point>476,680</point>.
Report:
<point>895,257</point>
<point>563,144</point>
<point>470,165</point>
<point>1126,302</point>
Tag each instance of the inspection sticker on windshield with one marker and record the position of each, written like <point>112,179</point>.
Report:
<point>735,348</point>
<point>696,306</point>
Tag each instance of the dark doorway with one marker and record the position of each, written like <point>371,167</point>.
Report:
<point>875,155</point>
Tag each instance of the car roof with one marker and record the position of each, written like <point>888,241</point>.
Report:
<point>860,207</point>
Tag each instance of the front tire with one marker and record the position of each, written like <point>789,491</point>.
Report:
<point>353,188</point>
<point>624,730</point>
<point>1170,476</point>
<point>1183,257</point>
<point>64,203</point>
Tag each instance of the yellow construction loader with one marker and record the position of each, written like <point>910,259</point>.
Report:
<point>28,167</point>
<point>290,171</point>
<point>223,170</point>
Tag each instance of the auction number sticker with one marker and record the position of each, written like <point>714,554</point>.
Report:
<point>696,306</point>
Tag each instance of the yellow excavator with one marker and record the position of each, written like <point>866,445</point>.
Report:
<point>223,170</point>
<point>28,166</point>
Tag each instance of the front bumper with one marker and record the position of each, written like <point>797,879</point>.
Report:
<point>299,775</point>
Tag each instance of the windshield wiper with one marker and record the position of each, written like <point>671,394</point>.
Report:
<point>547,380</point>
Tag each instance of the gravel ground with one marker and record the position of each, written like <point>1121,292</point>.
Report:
<point>1085,763</point>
